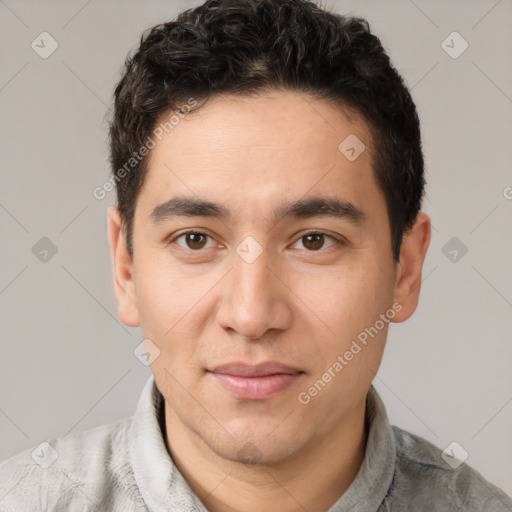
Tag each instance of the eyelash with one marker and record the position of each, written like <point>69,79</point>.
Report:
<point>339,241</point>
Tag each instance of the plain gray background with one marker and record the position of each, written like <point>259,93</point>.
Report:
<point>67,363</point>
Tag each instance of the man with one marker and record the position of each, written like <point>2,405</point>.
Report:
<point>269,175</point>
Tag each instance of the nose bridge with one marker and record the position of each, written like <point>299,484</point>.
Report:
<point>251,276</point>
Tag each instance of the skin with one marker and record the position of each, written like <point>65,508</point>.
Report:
<point>207,306</point>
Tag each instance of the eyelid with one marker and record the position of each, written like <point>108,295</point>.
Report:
<point>340,240</point>
<point>175,236</point>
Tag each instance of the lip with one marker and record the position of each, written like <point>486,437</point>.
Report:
<point>255,382</point>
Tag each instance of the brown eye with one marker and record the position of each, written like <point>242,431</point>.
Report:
<point>194,241</point>
<point>315,241</point>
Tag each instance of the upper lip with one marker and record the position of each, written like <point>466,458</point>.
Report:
<point>240,369</point>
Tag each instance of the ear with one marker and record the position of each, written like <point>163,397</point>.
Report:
<point>122,266</point>
<point>408,272</point>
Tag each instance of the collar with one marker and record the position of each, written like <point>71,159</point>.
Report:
<point>163,487</point>
<point>372,482</point>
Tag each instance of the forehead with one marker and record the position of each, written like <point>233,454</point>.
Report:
<point>277,120</point>
<point>251,152</point>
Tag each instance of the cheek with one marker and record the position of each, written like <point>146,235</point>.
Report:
<point>163,295</point>
<point>351,303</point>
<point>158,304</point>
<point>173,309</point>
<point>351,298</point>
<point>162,305</point>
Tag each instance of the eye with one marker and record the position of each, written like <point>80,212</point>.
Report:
<point>314,241</point>
<point>197,240</point>
<point>194,240</point>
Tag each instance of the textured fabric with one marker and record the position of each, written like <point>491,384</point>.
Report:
<point>125,467</point>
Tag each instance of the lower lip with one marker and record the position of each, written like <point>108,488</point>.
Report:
<point>256,388</point>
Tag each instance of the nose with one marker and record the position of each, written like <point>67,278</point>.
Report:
<point>255,299</point>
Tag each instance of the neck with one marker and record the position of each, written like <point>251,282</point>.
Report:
<point>313,479</point>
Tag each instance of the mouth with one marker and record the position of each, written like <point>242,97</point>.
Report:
<point>255,382</point>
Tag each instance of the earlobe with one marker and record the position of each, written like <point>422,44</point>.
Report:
<point>412,256</point>
<point>122,267</point>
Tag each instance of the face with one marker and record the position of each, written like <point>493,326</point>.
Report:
<point>257,319</point>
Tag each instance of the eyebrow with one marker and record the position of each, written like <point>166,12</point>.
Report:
<point>318,206</point>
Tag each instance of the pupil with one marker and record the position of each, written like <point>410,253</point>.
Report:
<point>318,244</point>
<point>193,239</point>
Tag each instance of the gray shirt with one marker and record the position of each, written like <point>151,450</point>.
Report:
<point>125,466</point>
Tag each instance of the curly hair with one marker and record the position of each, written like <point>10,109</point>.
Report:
<point>245,46</point>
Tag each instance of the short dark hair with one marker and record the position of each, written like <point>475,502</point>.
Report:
<point>248,46</point>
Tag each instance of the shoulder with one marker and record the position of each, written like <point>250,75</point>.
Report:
<point>430,482</point>
<point>52,473</point>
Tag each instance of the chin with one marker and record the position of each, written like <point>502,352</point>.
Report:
<point>251,447</point>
